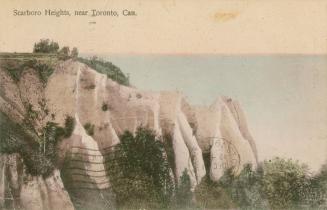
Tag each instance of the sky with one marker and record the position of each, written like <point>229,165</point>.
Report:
<point>269,55</point>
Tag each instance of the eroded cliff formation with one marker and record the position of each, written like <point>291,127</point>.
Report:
<point>19,190</point>
<point>205,139</point>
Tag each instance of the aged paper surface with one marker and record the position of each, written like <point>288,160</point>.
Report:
<point>220,84</point>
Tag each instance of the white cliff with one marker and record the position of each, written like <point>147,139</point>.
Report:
<point>91,98</point>
<point>19,190</point>
<point>218,128</point>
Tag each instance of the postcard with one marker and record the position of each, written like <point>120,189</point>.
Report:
<point>165,104</point>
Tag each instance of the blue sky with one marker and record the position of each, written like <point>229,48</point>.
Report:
<point>283,96</point>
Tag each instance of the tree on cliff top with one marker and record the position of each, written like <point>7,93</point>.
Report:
<point>74,53</point>
<point>46,46</point>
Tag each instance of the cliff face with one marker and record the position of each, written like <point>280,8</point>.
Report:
<point>21,191</point>
<point>107,109</point>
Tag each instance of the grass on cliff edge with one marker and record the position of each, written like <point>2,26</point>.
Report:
<point>43,63</point>
<point>16,63</point>
<point>104,67</point>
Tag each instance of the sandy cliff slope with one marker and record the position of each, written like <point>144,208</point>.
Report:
<point>74,89</point>
<point>21,191</point>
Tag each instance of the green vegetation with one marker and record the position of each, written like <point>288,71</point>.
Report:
<point>38,151</point>
<point>284,182</point>
<point>211,195</point>
<point>168,145</point>
<point>64,53</point>
<point>244,190</point>
<point>105,107</point>
<point>28,56</point>
<point>69,126</point>
<point>74,53</point>
<point>44,70</point>
<point>139,171</point>
<point>46,54</point>
<point>105,67</point>
<point>46,46</point>
<point>15,68</point>
<point>31,114</point>
<point>275,184</point>
<point>89,128</point>
<point>316,193</point>
<point>183,191</point>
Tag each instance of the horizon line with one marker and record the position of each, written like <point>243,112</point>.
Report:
<point>189,54</point>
